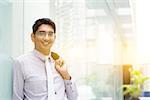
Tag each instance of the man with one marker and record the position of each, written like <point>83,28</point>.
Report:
<point>38,75</point>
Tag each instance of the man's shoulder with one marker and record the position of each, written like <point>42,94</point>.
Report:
<point>24,57</point>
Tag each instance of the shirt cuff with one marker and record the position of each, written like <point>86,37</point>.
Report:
<point>68,82</point>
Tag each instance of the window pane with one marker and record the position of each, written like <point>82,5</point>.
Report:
<point>86,38</point>
<point>11,33</point>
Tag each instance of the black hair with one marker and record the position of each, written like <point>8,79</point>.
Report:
<point>41,21</point>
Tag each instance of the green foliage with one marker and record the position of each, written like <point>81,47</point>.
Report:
<point>137,81</point>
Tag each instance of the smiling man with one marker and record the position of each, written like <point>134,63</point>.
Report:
<point>38,75</point>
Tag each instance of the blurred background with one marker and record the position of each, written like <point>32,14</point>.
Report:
<point>99,39</point>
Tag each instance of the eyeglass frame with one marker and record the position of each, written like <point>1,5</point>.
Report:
<point>44,33</point>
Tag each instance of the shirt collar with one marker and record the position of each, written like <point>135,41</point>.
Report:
<point>41,56</point>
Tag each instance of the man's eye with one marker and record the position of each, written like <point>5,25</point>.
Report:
<point>51,33</point>
<point>42,33</point>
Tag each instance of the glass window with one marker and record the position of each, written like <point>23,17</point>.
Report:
<point>11,32</point>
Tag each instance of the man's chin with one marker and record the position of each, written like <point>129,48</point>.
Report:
<point>47,47</point>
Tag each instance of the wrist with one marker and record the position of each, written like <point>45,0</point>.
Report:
<point>67,77</point>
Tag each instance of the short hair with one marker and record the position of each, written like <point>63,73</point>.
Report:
<point>41,21</point>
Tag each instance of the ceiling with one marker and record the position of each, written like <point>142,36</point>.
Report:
<point>117,10</point>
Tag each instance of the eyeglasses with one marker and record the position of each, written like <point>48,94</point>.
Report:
<point>43,34</point>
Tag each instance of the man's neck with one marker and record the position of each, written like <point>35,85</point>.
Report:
<point>45,53</point>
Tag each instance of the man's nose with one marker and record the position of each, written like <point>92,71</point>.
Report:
<point>46,37</point>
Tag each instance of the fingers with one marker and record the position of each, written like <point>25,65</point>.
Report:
<point>59,62</point>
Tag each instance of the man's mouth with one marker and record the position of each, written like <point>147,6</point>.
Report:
<point>46,43</point>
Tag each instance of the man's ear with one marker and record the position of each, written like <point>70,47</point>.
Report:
<point>32,37</point>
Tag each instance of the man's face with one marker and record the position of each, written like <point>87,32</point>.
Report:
<point>44,38</point>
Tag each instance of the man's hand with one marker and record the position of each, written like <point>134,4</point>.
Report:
<point>62,69</point>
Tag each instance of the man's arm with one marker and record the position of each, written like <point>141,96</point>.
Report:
<point>70,86</point>
<point>71,89</point>
<point>18,81</point>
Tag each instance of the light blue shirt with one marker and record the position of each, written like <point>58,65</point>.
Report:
<point>30,80</point>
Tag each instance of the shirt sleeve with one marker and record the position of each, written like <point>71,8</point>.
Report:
<point>18,81</point>
<point>71,89</point>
